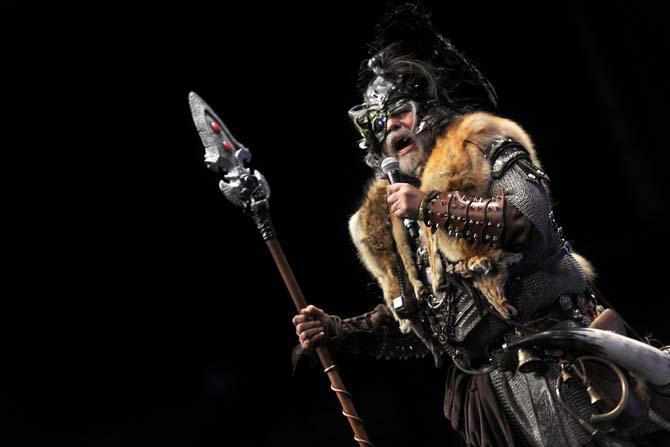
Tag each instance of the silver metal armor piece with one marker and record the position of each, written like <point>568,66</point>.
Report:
<point>535,414</point>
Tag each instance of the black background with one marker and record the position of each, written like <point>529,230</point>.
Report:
<point>140,308</point>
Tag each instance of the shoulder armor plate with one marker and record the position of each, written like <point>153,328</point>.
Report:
<point>504,153</point>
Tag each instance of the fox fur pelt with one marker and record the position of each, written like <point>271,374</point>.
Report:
<point>455,163</point>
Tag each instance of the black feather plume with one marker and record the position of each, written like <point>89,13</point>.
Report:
<point>408,31</point>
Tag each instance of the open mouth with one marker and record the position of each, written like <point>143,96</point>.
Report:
<point>403,145</point>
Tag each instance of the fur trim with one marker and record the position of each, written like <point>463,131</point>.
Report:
<point>457,157</point>
<point>370,229</point>
<point>377,238</point>
<point>456,163</point>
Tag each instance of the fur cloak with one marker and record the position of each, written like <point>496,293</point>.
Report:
<point>455,163</point>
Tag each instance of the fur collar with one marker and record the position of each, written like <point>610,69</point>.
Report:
<point>456,162</point>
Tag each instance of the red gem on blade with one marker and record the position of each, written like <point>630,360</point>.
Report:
<point>215,127</point>
<point>227,146</point>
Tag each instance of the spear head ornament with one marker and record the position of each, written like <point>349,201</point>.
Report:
<point>227,156</point>
<point>243,186</point>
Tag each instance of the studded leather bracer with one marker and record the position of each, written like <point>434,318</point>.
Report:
<point>376,333</point>
<point>475,219</point>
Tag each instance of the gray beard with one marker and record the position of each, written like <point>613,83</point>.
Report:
<point>413,163</point>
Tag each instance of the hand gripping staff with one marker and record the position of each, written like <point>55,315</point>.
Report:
<point>247,188</point>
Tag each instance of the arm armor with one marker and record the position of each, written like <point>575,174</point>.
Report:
<point>477,220</point>
<point>376,333</point>
<point>512,225</point>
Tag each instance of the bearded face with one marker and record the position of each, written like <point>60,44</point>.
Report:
<point>404,141</point>
<point>390,126</point>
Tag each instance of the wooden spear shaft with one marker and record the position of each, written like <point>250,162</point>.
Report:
<point>248,189</point>
<point>329,367</point>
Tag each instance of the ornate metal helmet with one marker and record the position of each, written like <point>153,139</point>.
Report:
<point>413,63</point>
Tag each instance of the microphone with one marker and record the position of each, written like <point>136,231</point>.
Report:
<point>391,167</point>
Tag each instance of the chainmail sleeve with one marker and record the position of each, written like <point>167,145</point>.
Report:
<point>376,333</point>
<point>524,183</point>
<point>528,195</point>
<point>546,271</point>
